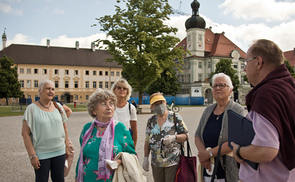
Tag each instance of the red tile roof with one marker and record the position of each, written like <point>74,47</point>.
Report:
<point>290,56</point>
<point>43,55</point>
<point>217,45</point>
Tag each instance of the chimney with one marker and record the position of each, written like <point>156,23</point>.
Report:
<point>77,45</point>
<point>48,43</point>
<point>4,39</point>
<point>93,46</point>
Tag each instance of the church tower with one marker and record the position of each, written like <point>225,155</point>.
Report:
<point>195,28</point>
<point>4,39</point>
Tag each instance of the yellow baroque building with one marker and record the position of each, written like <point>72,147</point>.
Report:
<point>76,72</point>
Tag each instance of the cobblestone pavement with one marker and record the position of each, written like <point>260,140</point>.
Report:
<point>14,162</point>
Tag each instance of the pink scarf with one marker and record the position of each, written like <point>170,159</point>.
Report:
<point>105,149</point>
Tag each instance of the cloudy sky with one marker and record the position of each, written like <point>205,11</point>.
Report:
<point>66,21</point>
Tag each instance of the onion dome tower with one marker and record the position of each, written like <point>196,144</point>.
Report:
<point>4,39</point>
<point>195,28</point>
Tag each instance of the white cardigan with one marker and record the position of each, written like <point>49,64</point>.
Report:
<point>130,170</point>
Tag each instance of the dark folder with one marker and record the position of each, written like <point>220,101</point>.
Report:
<point>241,132</point>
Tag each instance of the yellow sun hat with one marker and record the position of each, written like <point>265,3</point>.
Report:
<point>158,97</point>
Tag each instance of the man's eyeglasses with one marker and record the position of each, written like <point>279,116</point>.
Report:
<point>250,59</point>
<point>119,88</point>
<point>221,85</point>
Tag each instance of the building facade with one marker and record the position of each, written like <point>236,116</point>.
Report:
<point>206,50</point>
<point>76,72</point>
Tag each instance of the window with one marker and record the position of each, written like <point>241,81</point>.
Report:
<point>112,83</point>
<point>29,71</point>
<point>56,84</point>
<point>87,97</point>
<point>87,84</point>
<point>21,70</point>
<point>66,72</point>
<point>29,96</point>
<point>200,64</point>
<point>76,97</point>
<point>21,83</point>
<point>100,84</point>
<point>66,84</point>
<point>200,37</point>
<point>112,73</point>
<point>200,75</point>
<point>76,84</point>
<point>106,73</point>
<point>242,66</point>
<point>36,83</point>
<point>45,71</point>
<point>100,73</point>
<point>235,66</point>
<point>36,71</point>
<point>86,72</point>
<point>28,83</point>
<point>117,73</point>
<point>94,84</point>
<point>106,84</point>
<point>209,64</point>
<point>56,72</point>
<point>94,72</point>
<point>76,72</point>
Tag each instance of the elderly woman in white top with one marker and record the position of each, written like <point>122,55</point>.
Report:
<point>45,135</point>
<point>125,112</point>
<point>213,131</point>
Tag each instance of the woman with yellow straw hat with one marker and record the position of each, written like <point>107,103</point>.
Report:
<point>161,130</point>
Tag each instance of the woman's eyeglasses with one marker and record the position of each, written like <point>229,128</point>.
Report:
<point>220,85</point>
<point>119,88</point>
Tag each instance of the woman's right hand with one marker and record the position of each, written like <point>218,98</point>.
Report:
<point>207,165</point>
<point>35,163</point>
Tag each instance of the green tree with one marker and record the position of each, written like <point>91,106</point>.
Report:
<point>9,85</point>
<point>167,84</point>
<point>224,66</point>
<point>141,42</point>
<point>290,68</point>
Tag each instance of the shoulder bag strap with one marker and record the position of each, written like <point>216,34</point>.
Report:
<point>216,165</point>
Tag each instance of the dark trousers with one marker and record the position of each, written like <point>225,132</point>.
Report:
<point>55,165</point>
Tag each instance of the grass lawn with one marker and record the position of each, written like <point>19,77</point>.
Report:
<point>7,110</point>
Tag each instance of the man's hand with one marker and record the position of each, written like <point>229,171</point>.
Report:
<point>235,147</point>
<point>146,164</point>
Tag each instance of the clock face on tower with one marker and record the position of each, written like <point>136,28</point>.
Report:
<point>200,44</point>
<point>189,45</point>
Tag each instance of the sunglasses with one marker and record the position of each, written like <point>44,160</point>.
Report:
<point>119,88</point>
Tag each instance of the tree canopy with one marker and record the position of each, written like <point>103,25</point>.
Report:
<point>224,66</point>
<point>141,42</point>
<point>167,84</point>
<point>9,85</point>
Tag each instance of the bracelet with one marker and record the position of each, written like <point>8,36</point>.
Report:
<point>238,153</point>
<point>32,156</point>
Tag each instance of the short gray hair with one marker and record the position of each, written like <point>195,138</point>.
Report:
<point>124,83</point>
<point>41,85</point>
<point>226,77</point>
<point>100,96</point>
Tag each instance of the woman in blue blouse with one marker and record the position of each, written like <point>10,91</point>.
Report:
<point>101,139</point>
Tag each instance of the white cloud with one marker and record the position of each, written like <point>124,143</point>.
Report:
<point>65,41</point>
<point>57,11</point>
<point>269,10</point>
<point>19,39</point>
<point>243,35</point>
<point>7,9</point>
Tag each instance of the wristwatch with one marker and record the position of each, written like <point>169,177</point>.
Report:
<point>32,156</point>
<point>210,153</point>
